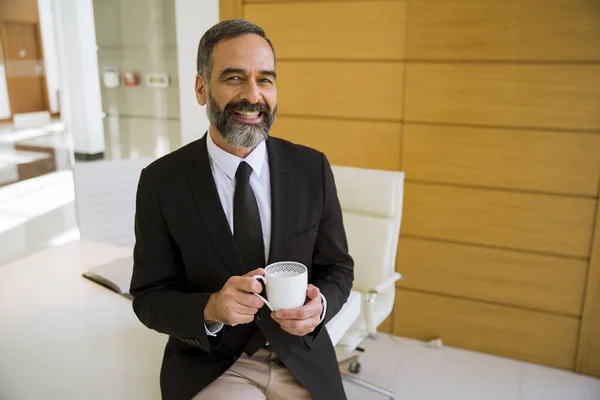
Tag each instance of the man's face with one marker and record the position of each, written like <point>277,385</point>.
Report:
<point>240,97</point>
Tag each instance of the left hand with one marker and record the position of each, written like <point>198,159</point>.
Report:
<point>302,320</point>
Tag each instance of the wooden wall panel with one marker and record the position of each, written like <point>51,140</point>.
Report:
<point>353,143</point>
<point>504,30</point>
<point>532,281</point>
<point>387,326</point>
<point>367,30</point>
<point>19,10</point>
<point>552,162</point>
<point>588,355</point>
<point>534,222</point>
<point>518,95</point>
<point>506,331</point>
<point>231,9</point>
<point>340,89</point>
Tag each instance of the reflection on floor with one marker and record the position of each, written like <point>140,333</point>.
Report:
<point>416,372</point>
<point>36,213</point>
<point>26,153</point>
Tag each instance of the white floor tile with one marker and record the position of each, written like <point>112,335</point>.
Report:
<point>379,363</point>
<point>545,383</point>
<point>448,373</point>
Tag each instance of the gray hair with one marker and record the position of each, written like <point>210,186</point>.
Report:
<point>222,31</point>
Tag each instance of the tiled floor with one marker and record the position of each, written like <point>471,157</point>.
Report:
<point>416,372</point>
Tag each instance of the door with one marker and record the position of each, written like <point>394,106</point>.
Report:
<point>24,65</point>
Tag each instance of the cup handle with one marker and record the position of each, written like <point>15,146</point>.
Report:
<point>262,278</point>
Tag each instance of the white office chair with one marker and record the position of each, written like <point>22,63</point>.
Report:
<point>371,203</point>
<point>105,194</point>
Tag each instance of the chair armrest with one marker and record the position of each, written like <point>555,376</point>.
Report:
<point>386,283</point>
<point>370,301</point>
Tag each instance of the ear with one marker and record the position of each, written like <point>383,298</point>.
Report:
<point>200,90</point>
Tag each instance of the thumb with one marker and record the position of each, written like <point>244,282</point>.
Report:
<point>312,292</point>
<point>257,271</point>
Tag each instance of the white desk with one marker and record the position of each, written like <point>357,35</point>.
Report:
<point>64,337</point>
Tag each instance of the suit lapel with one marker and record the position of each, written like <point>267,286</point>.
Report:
<point>280,201</point>
<point>211,211</point>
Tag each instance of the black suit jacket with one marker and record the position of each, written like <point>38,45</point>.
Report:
<point>185,251</point>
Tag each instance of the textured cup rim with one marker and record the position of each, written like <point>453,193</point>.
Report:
<point>295,263</point>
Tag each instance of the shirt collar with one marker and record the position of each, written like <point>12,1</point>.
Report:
<point>229,163</point>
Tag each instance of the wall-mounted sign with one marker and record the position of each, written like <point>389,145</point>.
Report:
<point>110,76</point>
<point>157,80</point>
<point>131,78</point>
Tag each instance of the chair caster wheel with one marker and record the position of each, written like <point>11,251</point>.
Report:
<point>354,367</point>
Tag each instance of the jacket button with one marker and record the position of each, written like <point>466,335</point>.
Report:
<point>258,316</point>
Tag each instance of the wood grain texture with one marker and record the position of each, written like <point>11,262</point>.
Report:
<point>387,326</point>
<point>532,281</point>
<point>539,223</point>
<point>22,48</point>
<point>366,30</point>
<point>512,95</point>
<point>306,1</point>
<point>341,89</point>
<point>505,331</point>
<point>551,162</point>
<point>19,10</point>
<point>231,9</point>
<point>352,143</point>
<point>588,355</point>
<point>566,30</point>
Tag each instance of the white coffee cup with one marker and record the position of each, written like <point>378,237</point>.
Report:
<point>286,283</point>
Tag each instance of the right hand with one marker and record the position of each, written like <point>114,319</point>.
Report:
<point>235,304</point>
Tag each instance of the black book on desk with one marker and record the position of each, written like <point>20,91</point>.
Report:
<point>114,275</point>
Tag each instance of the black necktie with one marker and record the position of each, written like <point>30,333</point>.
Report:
<point>247,231</point>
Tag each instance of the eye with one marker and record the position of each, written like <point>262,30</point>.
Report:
<point>234,79</point>
<point>265,80</point>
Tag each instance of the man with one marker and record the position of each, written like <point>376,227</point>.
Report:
<point>212,214</point>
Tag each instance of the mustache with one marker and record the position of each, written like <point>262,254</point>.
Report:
<point>246,106</point>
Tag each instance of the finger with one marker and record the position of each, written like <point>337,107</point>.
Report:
<point>249,300</point>
<point>238,319</point>
<point>247,284</point>
<point>312,292</point>
<point>243,309</point>
<point>307,325</point>
<point>257,271</point>
<point>311,309</point>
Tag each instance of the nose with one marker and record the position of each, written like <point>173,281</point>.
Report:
<point>251,92</point>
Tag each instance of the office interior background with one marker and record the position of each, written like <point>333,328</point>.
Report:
<point>490,108</point>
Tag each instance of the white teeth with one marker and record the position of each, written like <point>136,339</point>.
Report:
<point>248,114</point>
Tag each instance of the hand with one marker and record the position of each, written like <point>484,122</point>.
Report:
<point>303,320</point>
<point>235,304</point>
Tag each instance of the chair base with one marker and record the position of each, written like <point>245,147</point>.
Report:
<point>362,383</point>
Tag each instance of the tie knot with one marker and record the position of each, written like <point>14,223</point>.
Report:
<point>243,172</point>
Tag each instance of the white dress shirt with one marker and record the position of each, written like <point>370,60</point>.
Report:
<point>224,165</point>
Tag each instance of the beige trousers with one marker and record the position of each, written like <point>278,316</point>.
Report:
<point>262,376</point>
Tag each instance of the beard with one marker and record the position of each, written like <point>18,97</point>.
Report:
<point>235,132</point>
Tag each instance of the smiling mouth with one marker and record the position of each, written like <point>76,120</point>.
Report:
<point>249,117</point>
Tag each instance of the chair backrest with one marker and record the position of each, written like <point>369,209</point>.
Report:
<point>105,194</point>
<point>371,202</point>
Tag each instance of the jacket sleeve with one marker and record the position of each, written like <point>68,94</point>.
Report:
<point>333,265</point>
<point>161,299</point>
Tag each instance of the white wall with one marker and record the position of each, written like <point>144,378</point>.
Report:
<point>50,53</point>
<point>192,19</point>
<point>80,101</point>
